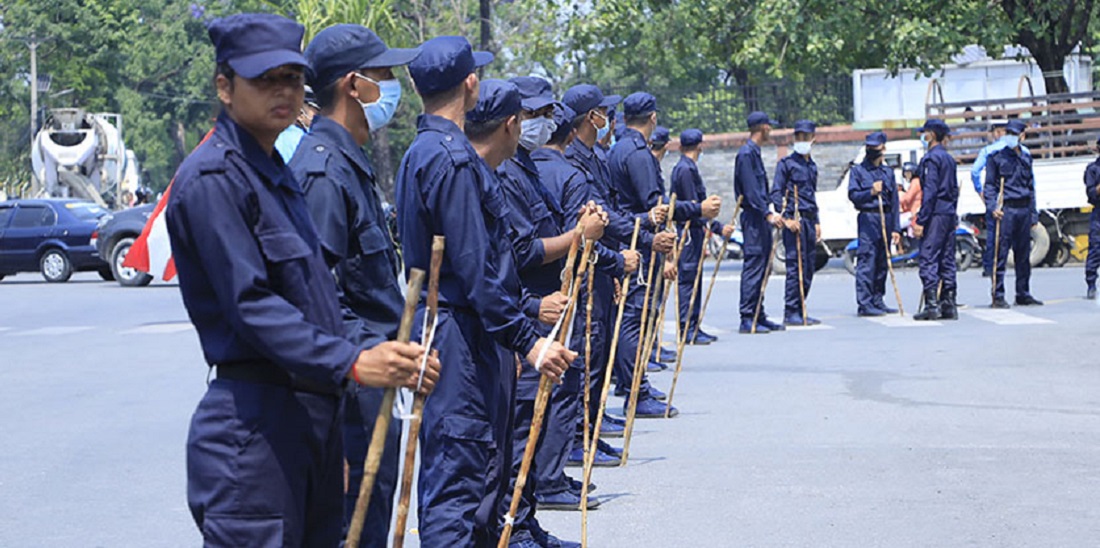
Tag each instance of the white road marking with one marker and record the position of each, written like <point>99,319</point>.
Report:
<point>5,328</point>
<point>818,327</point>
<point>159,329</point>
<point>57,330</point>
<point>670,328</point>
<point>893,320</point>
<point>1005,317</point>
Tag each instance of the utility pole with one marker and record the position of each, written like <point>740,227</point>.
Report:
<point>32,43</point>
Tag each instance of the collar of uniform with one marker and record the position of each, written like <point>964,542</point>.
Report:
<point>239,139</point>
<point>431,122</point>
<point>546,153</point>
<point>869,166</point>
<point>523,159</point>
<point>684,159</point>
<point>582,149</point>
<point>338,136</point>
<point>634,136</point>
<point>753,146</point>
<point>801,159</point>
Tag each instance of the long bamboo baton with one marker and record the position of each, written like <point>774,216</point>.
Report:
<point>695,286</point>
<point>768,268</point>
<point>798,249</point>
<point>682,343</point>
<point>545,384</point>
<point>717,264</point>
<point>997,243</point>
<point>889,256</point>
<point>588,365</point>
<point>590,454</point>
<point>431,314</point>
<point>382,423</point>
<point>641,357</point>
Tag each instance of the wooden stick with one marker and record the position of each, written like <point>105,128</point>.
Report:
<point>798,249</point>
<point>683,335</point>
<point>641,357</point>
<point>889,256</point>
<point>545,384</point>
<point>382,423</point>
<point>590,453</point>
<point>681,330</point>
<point>768,268</point>
<point>997,245</point>
<point>431,313</point>
<point>588,366</point>
<point>717,264</point>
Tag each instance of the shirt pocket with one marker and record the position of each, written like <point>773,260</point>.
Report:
<point>287,257</point>
<point>374,268</point>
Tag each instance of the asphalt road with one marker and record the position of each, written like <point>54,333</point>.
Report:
<point>892,433</point>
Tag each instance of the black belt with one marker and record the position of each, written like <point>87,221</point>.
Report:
<point>269,373</point>
<point>1018,203</point>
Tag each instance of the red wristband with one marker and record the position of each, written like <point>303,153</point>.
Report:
<point>355,374</point>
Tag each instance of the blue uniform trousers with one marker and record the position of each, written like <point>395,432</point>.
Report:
<point>990,236</point>
<point>254,453</point>
<point>361,407</point>
<point>1015,235</point>
<point>466,436</point>
<point>809,252</point>
<point>629,336</point>
<point>758,247</point>
<point>1092,262</point>
<point>871,267</point>
<point>937,253</point>
<point>690,318</point>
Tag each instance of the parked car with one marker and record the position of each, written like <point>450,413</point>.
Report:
<point>54,237</point>
<point>117,233</point>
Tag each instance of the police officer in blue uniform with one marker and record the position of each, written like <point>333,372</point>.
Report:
<point>797,173</point>
<point>1092,192</point>
<point>590,125</point>
<point>688,186</point>
<point>936,223</point>
<point>750,181</point>
<point>636,177</point>
<point>264,453</point>
<point>870,181</point>
<point>1010,168</point>
<point>352,70</point>
<point>444,187</point>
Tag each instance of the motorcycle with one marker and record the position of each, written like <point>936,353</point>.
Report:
<point>967,249</point>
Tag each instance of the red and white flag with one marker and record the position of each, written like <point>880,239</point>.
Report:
<point>152,251</point>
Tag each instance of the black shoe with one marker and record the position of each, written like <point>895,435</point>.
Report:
<point>872,312</point>
<point>881,305</point>
<point>1000,303</point>
<point>703,338</point>
<point>948,309</point>
<point>1028,300</point>
<point>1091,295</point>
<point>986,274</point>
<point>931,307</point>
<point>772,326</point>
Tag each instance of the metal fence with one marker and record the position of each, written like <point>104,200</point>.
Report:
<point>723,109</point>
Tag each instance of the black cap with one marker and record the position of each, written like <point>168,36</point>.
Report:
<point>254,43</point>
<point>344,48</point>
<point>444,62</point>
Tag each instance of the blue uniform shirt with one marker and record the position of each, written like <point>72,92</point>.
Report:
<point>343,201</point>
<point>983,157</point>
<point>444,187</point>
<point>688,185</point>
<point>1092,180</point>
<point>800,172</point>
<point>532,217</point>
<point>939,185</point>
<point>1019,179</point>
<point>251,271</point>
<point>598,188</point>
<point>860,180</point>
<point>750,180</point>
<point>636,175</point>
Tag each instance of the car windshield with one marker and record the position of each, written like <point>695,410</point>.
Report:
<point>86,212</point>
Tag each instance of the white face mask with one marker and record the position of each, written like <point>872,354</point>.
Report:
<point>1012,141</point>
<point>536,132</point>
<point>380,113</point>
<point>802,147</point>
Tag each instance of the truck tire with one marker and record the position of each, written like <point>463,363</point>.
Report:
<point>779,263</point>
<point>55,266</point>
<point>127,277</point>
<point>821,258</point>
<point>964,255</point>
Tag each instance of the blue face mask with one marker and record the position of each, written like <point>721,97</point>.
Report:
<point>1011,141</point>
<point>380,113</point>
<point>924,139</point>
<point>601,132</point>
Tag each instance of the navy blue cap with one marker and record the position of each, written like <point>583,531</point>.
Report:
<point>875,139</point>
<point>661,136</point>
<point>691,137</point>
<point>444,62</point>
<point>757,118</point>
<point>935,124</point>
<point>535,91</point>
<point>497,99</point>
<point>1015,127</point>
<point>254,43</point>
<point>563,117</point>
<point>344,48</point>
<point>585,97</point>
<point>805,126</point>
<point>639,103</point>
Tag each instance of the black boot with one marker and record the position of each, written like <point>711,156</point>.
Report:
<point>949,310</point>
<point>931,307</point>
